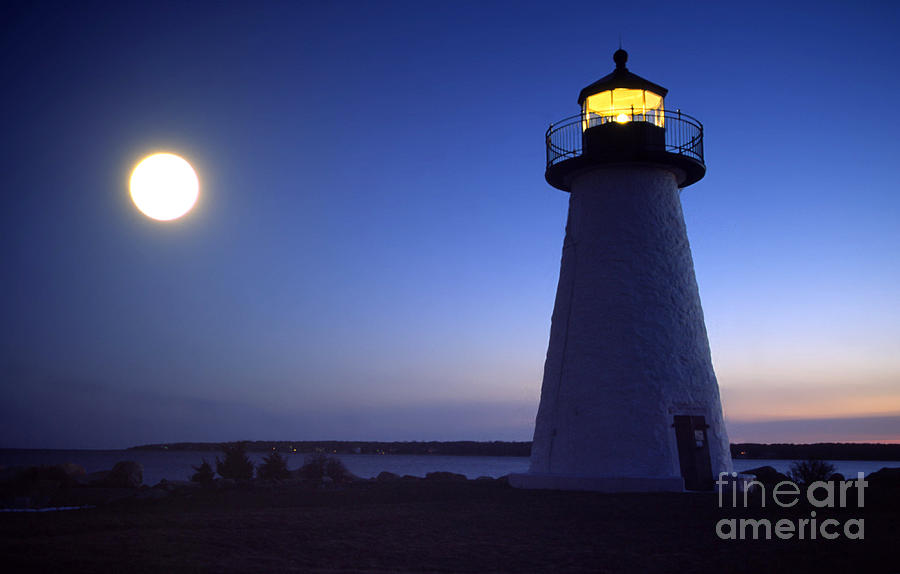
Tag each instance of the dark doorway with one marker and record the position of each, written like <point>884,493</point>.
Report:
<point>693,452</point>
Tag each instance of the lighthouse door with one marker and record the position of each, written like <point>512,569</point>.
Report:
<point>693,452</point>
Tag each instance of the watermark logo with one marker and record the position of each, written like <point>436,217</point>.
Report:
<point>787,494</point>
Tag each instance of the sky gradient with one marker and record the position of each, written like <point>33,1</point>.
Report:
<point>375,252</point>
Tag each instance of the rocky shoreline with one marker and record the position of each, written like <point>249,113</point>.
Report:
<point>69,486</point>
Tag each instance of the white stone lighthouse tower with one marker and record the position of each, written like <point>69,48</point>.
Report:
<point>629,400</point>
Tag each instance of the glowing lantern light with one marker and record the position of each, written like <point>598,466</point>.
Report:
<point>622,97</point>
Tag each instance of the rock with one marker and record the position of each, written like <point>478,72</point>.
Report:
<point>885,478</point>
<point>97,478</point>
<point>70,474</point>
<point>443,476</point>
<point>385,476</point>
<point>72,470</point>
<point>767,475</point>
<point>499,481</point>
<point>64,474</point>
<point>126,474</point>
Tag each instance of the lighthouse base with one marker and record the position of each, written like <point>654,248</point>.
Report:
<point>596,483</point>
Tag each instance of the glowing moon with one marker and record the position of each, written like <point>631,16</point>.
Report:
<point>164,186</point>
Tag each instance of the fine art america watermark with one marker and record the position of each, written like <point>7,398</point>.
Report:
<point>787,494</point>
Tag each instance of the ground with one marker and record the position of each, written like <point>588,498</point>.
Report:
<point>431,527</point>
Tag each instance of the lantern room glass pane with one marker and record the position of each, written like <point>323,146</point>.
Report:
<point>623,105</point>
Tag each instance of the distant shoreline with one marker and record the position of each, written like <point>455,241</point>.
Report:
<point>451,448</point>
<point>828,451</point>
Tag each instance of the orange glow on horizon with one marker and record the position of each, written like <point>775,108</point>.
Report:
<point>766,412</point>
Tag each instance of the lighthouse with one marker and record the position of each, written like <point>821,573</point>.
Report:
<point>629,400</point>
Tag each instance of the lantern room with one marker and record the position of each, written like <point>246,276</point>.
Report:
<point>622,97</point>
<point>623,105</point>
<point>623,120</point>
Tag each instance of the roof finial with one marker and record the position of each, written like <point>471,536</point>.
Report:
<point>620,57</point>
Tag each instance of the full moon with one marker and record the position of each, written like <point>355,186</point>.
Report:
<point>164,186</point>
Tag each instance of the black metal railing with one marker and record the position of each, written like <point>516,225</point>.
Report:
<point>684,134</point>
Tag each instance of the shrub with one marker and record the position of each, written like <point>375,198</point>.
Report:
<point>204,474</point>
<point>336,471</point>
<point>808,471</point>
<point>273,467</point>
<point>237,464</point>
<point>314,467</point>
<point>318,465</point>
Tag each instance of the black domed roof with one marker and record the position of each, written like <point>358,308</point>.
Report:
<point>620,78</point>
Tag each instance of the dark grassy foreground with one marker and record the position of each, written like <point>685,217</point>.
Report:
<point>431,527</point>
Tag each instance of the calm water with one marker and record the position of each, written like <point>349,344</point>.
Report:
<point>177,465</point>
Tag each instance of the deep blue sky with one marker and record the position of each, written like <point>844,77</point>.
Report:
<point>375,252</point>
